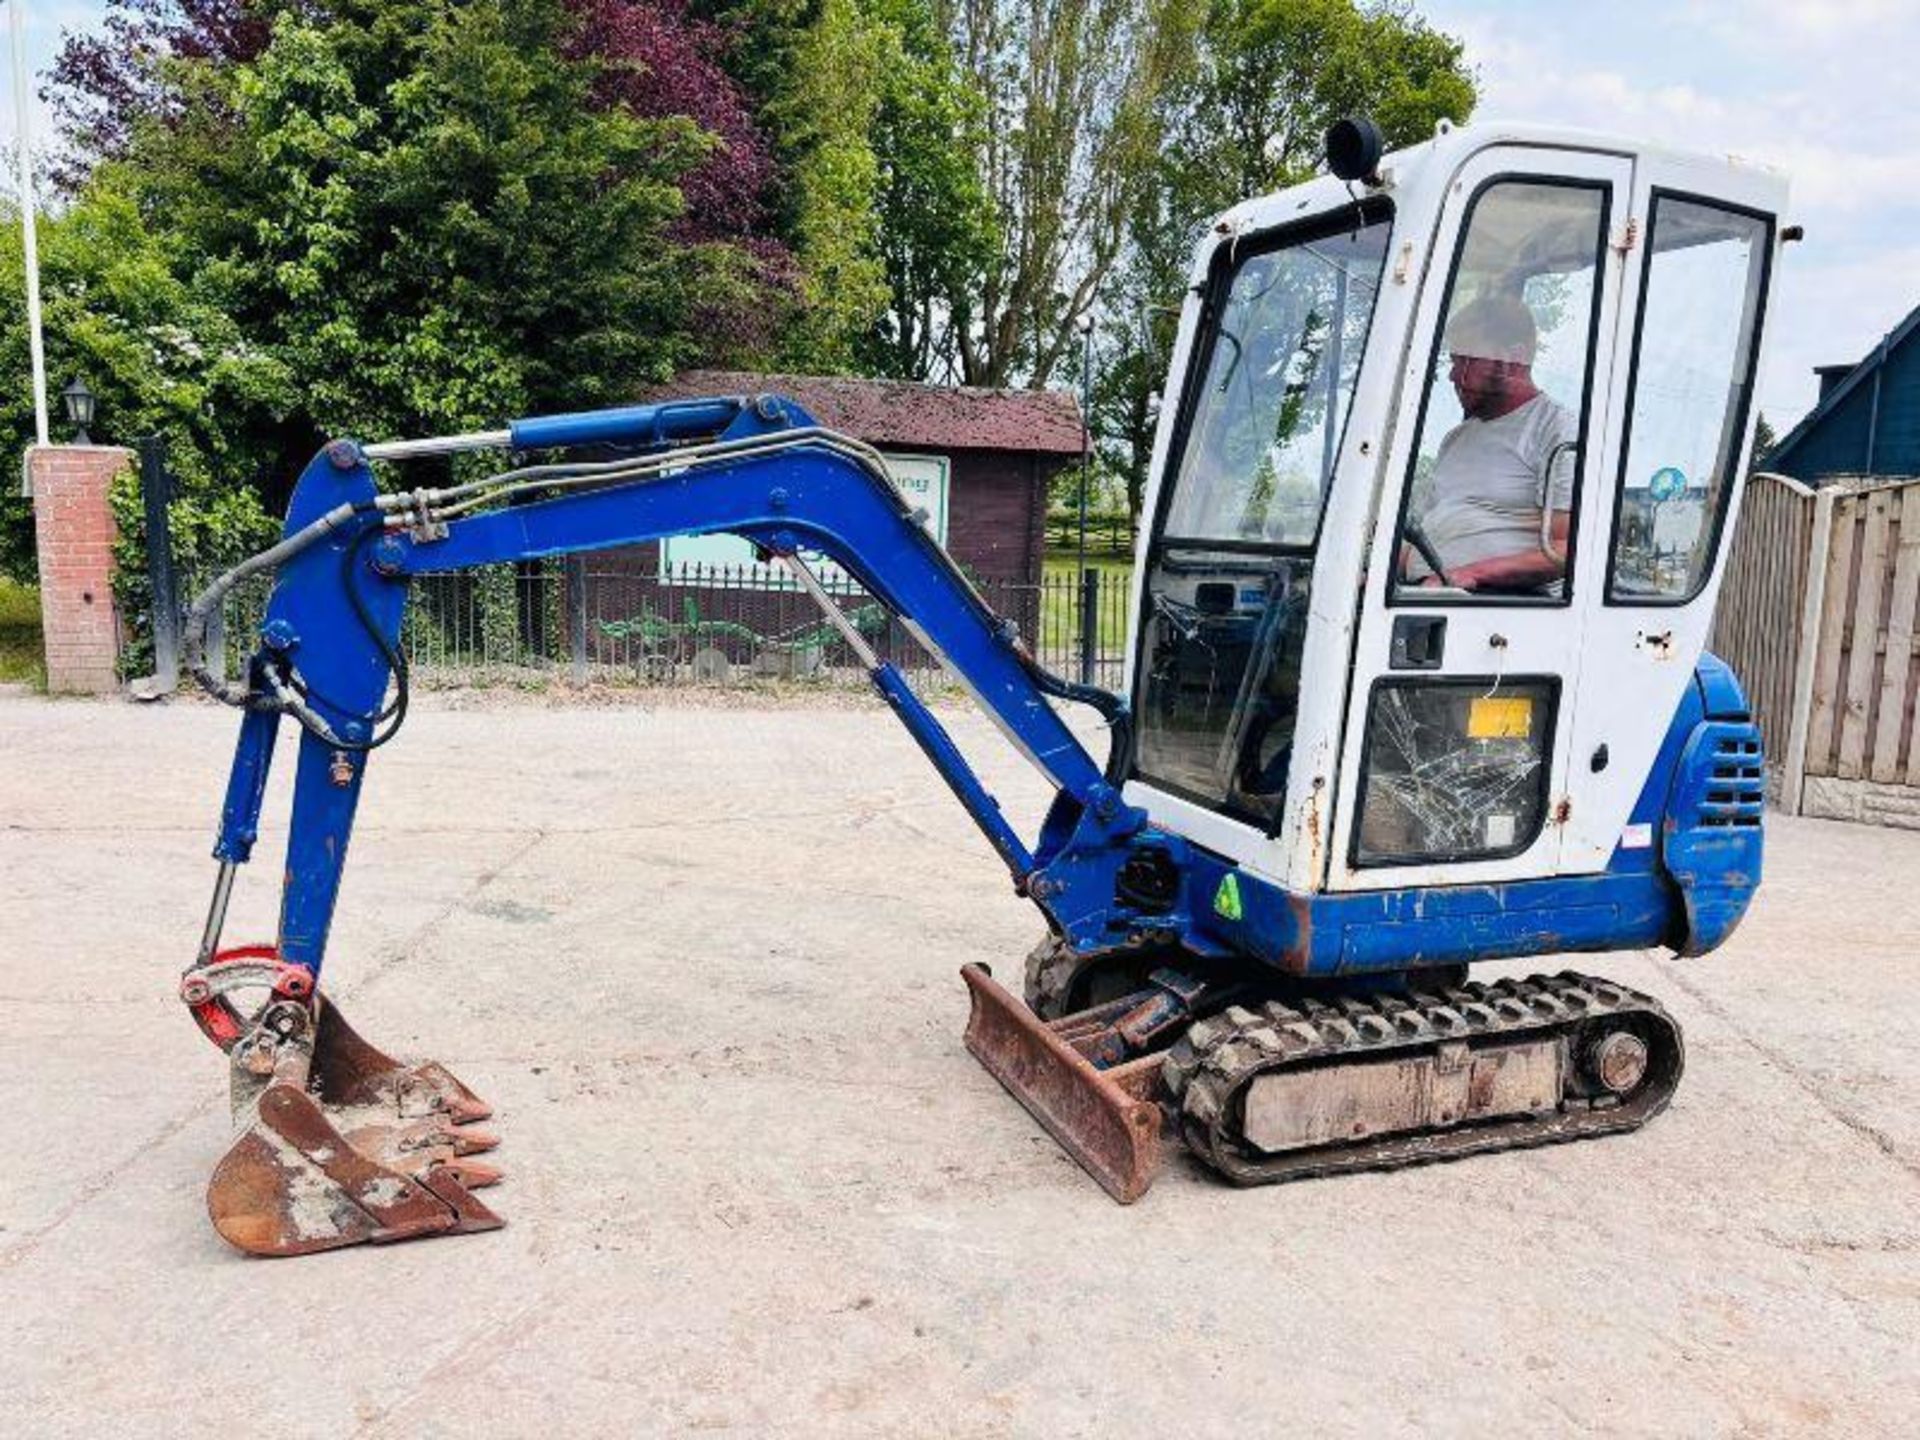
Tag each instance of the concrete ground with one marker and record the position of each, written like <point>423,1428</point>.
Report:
<point>703,961</point>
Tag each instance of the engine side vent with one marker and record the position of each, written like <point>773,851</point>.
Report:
<point>1736,790</point>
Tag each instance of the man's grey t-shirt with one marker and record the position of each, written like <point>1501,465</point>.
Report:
<point>1489,484</point>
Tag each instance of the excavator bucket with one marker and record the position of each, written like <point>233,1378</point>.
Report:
<point>339,1143</point>
<point>1107,1120</point>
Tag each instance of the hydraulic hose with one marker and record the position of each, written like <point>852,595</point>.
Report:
<point>1110,707</point>
<point>442,505</point>
<point>274,556</point>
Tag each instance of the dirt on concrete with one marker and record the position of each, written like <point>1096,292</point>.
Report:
<point>702,962</point>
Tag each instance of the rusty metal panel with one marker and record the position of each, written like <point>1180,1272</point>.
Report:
<point>341,1144</point>
<point>1297,1109</point>
<point>1100,1117</point>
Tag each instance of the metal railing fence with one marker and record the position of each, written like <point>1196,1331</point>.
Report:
<point>585,623</point>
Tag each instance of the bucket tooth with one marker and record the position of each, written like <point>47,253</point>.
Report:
<point>409,1145</point>
<point>1107,1120</point>
<point>352,1072</point>
<point>469,1215</point>
<point>343,1145</point>
<point>474,1174</point>
<point>463,1140</point>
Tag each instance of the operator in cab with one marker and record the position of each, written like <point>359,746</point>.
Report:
<point>1499,497</point>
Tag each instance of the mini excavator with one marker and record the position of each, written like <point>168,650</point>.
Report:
<point>1417,678</point>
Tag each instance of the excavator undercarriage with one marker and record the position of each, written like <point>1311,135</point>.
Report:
<point>1268,1090</point>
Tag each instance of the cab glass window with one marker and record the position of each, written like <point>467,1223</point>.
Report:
<point>1221,684</point>
<point>1687,406</point>
<point>1287,333</point>
<point>1491,499</point>
<point>1454,770</point>
<point>1231,569</point>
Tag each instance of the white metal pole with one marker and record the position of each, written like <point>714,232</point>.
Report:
<point>31,246</point>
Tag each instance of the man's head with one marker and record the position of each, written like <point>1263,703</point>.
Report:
<point>1491,342</point>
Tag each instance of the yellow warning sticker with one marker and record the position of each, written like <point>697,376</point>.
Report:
<point>1500,717</point>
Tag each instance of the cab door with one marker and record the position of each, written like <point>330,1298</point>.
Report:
<point>1457,760</point>
<point>1682,422</point>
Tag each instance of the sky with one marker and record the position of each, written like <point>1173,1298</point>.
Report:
<point>1823,89</point>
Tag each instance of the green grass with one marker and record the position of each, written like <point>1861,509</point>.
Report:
<point>22,658</point>
<point>1060,602</point>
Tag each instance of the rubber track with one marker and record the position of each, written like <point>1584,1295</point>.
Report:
<point>1208,1071</point>
<point>1054,971</point>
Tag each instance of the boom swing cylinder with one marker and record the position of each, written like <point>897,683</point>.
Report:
<point>1332,785</point>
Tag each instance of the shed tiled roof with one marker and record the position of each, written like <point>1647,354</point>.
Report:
<point>898,412</point>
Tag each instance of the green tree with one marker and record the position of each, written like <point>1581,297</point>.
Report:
<point>391,217</point>
<point>418,213</point>
<point>153,341</point>
<point>1074,91</point>
<point>876,131</point>
<point>825,117</point>
<point>938,229</point>
<point>1246,118</point>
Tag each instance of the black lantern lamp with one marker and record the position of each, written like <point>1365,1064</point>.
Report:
<point>79,403</point>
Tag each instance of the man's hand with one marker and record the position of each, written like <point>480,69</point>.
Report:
<point>1525,570</point>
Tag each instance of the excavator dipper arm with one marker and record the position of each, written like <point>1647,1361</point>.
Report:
<point>330,649</point>
<point>332,627</point>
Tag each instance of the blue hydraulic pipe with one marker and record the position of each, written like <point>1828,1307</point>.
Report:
<point>335,616</point>
<point>247,787</point>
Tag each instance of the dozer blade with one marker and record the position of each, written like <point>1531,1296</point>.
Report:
<point>1107,1120</point>
<point>341,1144</point>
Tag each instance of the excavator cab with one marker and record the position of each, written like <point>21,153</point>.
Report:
<point>1440,501</point>
<point>1440,505</point>
<point>1417,678</point>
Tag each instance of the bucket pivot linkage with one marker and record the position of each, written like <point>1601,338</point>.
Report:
<point>338,1143</point>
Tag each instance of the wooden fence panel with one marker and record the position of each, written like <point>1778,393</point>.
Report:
<point>1892,734</point>
<point>1829,657</point>
<point>1756,625</point>
<point>1861,632</point>
<point>1867,682</point>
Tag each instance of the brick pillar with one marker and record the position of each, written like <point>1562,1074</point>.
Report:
<point>74,533</point>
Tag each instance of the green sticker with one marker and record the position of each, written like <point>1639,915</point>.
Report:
<point>1226,900</point>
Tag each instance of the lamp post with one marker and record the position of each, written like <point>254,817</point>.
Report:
<point>1089,582</point>
<point>1085,326</point>
<point>80,405</point>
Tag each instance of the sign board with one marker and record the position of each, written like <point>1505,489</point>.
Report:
<point>923,479</point>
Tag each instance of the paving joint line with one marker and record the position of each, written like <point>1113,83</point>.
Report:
<point>1875,1137</point>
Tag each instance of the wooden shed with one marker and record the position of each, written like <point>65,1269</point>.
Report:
<point>998,448</point>
<point>978,462</point>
